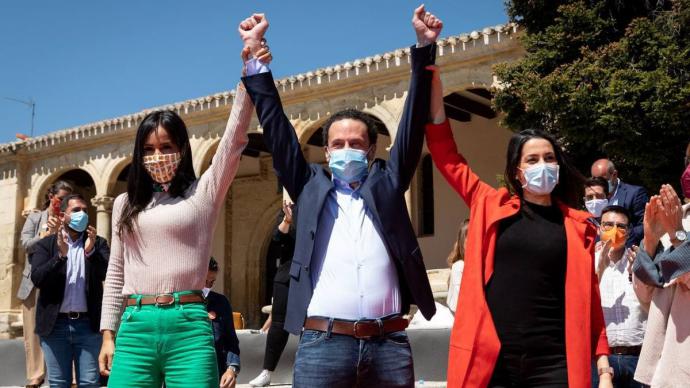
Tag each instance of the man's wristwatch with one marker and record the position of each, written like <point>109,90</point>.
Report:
<point>607,369</point>
<point>681,236</point>
<point>235,369</point>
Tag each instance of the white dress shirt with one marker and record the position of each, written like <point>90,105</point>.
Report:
<point>352,274</point>
<point>74,298</point>
<point>624,317</point>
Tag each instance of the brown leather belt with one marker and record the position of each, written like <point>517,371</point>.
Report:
<point>166,299</point>
<point>362,329</point>
<point>626,350</point>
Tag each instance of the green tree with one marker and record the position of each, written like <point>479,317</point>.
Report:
<point>607,78</point>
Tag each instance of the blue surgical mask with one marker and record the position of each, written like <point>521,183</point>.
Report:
<point>541,178</point>
<point>348,164</point>
<point>78,221</point>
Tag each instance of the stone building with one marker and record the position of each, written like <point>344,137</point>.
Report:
<point>96,156</point>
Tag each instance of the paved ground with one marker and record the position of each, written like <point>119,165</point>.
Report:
<point>429,346</point>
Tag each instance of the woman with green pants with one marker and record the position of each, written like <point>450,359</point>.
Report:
<point>162,233</point>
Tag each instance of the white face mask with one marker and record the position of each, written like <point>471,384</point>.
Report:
<point>541,178</point>
<point>595,206</point>
<point>205,291</point>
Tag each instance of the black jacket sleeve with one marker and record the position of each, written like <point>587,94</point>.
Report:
<point>289,163</point>
<point>99,258</point>
<point>46,264</point>
<point>409,139</point>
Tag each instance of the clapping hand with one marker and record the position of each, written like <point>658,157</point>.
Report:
<point>426,25</point>
<point>52,225</point>
<point>670,210</point>
<point>90,240</point>
<point>62,241</point>
<point>653,229</point>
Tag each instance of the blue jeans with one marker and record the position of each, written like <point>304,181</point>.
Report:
<point>333,360</point>
<point>623,372</point>
<point>72,339</point>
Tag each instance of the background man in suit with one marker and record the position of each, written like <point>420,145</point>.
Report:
<point>224,335</point>
<point>632,198</point>
<point>69,269</point>
<point>38,224</point>
<point>357,265</point>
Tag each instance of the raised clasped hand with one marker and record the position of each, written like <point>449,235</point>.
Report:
<point>426,25</point>
<point>252,30</point>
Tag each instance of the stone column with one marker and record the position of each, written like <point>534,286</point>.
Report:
<point>104,209</point>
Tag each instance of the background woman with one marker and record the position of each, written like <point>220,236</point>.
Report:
<point>529,283</point>
<point>162,231</point>
<point>456,262</point>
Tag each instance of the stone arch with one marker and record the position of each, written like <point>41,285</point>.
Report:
<point>115,169</point>
<point>203,154</point>
<point>40,185</point>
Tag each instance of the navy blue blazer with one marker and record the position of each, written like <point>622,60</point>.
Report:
<point>383,191</point>
<point>49,272</point>
<point>633,198</point>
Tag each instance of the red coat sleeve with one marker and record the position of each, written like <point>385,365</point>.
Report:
<point>600,343</point>
<point>452,165</point>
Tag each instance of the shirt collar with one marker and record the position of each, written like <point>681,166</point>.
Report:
<point>618,185</point>
<point>344,186</point>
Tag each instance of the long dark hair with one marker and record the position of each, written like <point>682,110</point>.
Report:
<point>570,186</point>
<point>54,189</point>
<point>139,183</point>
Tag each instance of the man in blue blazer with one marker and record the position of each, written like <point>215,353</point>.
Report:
<point>631,197</point>
<point>357,266</point>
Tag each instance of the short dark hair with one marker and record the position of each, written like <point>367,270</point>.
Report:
<point>353,114</point>
<point>598,181</point>
<point>213,265</point>
<point>616,209</point>
<point>65,201</point>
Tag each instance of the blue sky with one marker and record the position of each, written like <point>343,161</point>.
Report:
<point>85,61</point>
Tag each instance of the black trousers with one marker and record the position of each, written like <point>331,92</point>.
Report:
<point>515,370</point>
<point>277,337</point>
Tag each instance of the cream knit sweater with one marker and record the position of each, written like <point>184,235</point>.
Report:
<point>170,247</point>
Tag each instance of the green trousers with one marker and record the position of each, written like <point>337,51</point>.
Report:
<point>171,344</point>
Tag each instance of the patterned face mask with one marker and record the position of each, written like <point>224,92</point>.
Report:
<point>162,167</point>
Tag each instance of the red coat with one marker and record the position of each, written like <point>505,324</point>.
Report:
<point>474,343</point>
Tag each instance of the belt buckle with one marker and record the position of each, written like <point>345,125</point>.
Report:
<point>166,303</point>
<point>73,315</point>
<point>356,324</point>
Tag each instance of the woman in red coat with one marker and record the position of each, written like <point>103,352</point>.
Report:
<point>529,313</point>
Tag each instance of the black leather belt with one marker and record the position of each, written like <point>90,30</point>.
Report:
<point>626,350</point>
<point>73,315</point>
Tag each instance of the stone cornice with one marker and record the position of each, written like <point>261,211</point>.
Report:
<point>377,65</point>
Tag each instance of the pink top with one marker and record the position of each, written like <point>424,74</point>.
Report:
<point>171,244</point>
<point>665,358</point>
